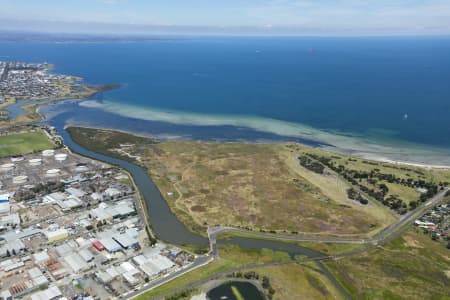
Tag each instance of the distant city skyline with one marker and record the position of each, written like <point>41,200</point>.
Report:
<point>267,17</point>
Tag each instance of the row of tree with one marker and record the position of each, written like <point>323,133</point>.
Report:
<point>377,191</point>
<point>311,165</point>
<point>354,195</point>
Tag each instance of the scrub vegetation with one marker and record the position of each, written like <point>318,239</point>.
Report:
<point>268,187</point>
<point>261,187</point>
<point>410,267</point>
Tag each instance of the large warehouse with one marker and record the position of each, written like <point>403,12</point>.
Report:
<point>4,204</point>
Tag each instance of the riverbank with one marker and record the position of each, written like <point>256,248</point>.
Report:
<point>251,179</point>
<point>192,278</point>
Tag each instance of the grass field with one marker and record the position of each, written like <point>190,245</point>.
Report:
<point>293,281</point>
<point>246,185</point>
<point>397,190</point>
<point>410,267</point>
<point>22,143</point>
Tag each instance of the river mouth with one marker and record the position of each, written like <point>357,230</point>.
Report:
<point>164,223</point>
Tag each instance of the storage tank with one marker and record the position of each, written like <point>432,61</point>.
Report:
<point>52,172</point>
<point>20,179</point>
<point>35,162</point>
<point>48,153</point>
<point>60,156</point>
<point>6,167</point>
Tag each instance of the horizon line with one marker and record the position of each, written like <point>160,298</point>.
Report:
<point>218,34</point>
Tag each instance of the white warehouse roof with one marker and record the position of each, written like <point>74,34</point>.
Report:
<point>48,294</point>
<point>76,262</point>
<point>110,245</point>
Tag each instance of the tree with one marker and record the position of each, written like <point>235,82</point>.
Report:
<point>434,236</point>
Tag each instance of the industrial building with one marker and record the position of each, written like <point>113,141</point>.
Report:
<point>11,248</point>
<point>130,273</point>
<point>34,281</point>
<point>41,257</point>
<point>49,294</point>
<point>126,241</point>
<point>110,245</point>
<point>76,262</point>
<point>56,235</point>
<point>4,204</point>
<point>153,264</point>
<point>104,212</point>
<point>63,201</point>
<point>64,236</point>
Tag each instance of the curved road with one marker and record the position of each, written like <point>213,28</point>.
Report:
<point>380,239</point>
<point>178,230</point>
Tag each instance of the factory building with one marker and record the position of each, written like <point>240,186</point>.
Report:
<point>4,204</point>
<point>110,245</point>
<point>11,248</point>
<point>125,241</point>
<point>49,294</point>
<point>76,262</point>
<point>57,235</point>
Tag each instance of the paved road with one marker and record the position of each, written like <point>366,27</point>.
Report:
<point>382,238</point>
<point>386,234</point>
<point>198,262</point>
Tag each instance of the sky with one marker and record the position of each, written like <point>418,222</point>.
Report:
<point>272,17</point>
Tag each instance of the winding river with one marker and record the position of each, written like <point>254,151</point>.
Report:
<point>164,223</point>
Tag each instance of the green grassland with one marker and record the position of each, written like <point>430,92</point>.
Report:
<point>22,143</point>
<point>295,281</point>
<point>410,267</point>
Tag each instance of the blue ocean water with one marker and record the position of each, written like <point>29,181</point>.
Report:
<point>391,91</point>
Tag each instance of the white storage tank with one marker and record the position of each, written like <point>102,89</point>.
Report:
<point>20,179</point>
<point>48,153</point>
<point>81,169</point>
<point>35,162</point>
<point>6,167</point>
<point>60,156</point>
<point>52,172</point>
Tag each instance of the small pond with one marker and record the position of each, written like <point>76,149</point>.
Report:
<point>231,290</point>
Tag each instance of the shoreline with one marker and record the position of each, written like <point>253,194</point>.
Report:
<point>382,159</point>
<point>400,151</point>
<point>90,92</point>
<point>332,149</point>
